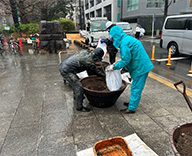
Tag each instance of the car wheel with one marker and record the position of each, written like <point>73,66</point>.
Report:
<point>174,49</point>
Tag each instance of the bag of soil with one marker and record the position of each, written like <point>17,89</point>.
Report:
<point>113,79</point>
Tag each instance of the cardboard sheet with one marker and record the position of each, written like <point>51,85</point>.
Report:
<point>137,146</point>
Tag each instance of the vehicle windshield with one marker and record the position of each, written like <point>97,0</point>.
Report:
<point>98,26</point>
<point>124,26</point>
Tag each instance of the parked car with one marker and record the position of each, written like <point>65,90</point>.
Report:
<point>177,34</point>
<point>126,27</point>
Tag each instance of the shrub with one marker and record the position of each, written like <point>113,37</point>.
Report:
<point>67,25</point>
<point>29,28</point>
<point>12,29</point>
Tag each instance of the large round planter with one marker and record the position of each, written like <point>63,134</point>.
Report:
<point>101,98</point>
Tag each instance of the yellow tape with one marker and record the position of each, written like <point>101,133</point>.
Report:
<point>168,83</point>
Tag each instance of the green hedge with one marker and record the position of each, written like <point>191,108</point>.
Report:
<point>12,29</point>
<point>67,24</point>
<point>29,28</point>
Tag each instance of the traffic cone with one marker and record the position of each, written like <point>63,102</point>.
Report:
<point>38,43</point>
<point>190,71</point>
<point>169,58</point>
<point>5,43</point>
<point>21,46</point>
<point>153,53</point>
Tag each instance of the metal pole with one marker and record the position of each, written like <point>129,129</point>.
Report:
<point>80,24</point>
<point>121,11</point>
<point>15,14</point>
<point>153,22</point>
<point>152,28</point>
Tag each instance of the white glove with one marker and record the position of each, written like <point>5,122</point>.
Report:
<point>109,68</point>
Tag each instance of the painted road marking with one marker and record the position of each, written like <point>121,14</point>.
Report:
<point>189,75</point>
<point>172,59</point>
<point>168,83</point>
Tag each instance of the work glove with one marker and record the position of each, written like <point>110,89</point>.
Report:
<point>109,68</point>
<point>103,40</point>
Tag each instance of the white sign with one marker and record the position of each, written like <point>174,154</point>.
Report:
<point>7,28</point>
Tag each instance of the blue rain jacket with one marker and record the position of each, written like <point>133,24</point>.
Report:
<point>133,55</point>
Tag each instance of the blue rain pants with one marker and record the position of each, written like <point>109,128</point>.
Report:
<point>137,86</point>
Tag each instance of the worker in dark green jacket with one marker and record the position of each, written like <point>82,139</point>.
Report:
<point>81,61</point>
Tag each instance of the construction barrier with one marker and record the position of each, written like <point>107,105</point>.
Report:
<point>21,46</point>
<point>153,53</point>
<point>169,58</point>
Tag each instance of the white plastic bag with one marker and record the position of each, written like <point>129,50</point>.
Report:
<point>125,76</point>
<point>82,74</point>
<point>102,46</point>
<point>113,79</point>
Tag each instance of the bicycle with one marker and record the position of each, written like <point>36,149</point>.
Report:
<point>14,47</point>
<point>34,45</point>
<point>2,50</point>
<point>34,42</point>
<point>2,46</point>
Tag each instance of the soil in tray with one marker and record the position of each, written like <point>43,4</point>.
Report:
<point>184,144</point>
<point>115,150</point>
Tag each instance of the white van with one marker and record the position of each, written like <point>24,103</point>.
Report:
<point>126,27</point>
<point>177,34</point>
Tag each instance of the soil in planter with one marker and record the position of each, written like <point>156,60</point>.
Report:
<point>98,85</point>
<point>184,144</point>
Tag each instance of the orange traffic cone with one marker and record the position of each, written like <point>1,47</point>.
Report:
<point>38,43</point>
<point>5,43</point>
<point>21,46</point>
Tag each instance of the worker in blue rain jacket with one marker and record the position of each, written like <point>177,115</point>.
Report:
<point>135,60</point>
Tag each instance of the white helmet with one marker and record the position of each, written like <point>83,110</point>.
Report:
<point>109,24</point>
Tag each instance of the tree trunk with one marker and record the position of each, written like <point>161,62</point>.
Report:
<point>165,10</point>
<point>44,14</point>
<point>23,13</point>
<point>14,12</point>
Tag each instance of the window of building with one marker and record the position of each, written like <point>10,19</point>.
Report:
<point>98,1</point>
<point>118,17</point>
<point>155,3</point>
<point>86,4</point>
<point>91,3</point>
<point>108,12</point>
<point>92,14</point>
<point>87,15</point>
<point>132,5</point>
<point>99,13</point>
<point>118,3</point>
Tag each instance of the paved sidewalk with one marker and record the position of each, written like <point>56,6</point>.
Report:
<point>38,116</point>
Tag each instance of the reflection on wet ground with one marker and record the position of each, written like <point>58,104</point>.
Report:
<point>178,69</point>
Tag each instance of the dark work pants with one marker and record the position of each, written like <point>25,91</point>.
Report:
<point>77,87</point>
<point>112,56</point>
<point>137,35</point>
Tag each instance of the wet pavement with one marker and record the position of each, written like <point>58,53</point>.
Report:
<point>38,116</point>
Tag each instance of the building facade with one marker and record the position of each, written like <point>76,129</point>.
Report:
<point>103,8</point>
<point>142,12</point>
